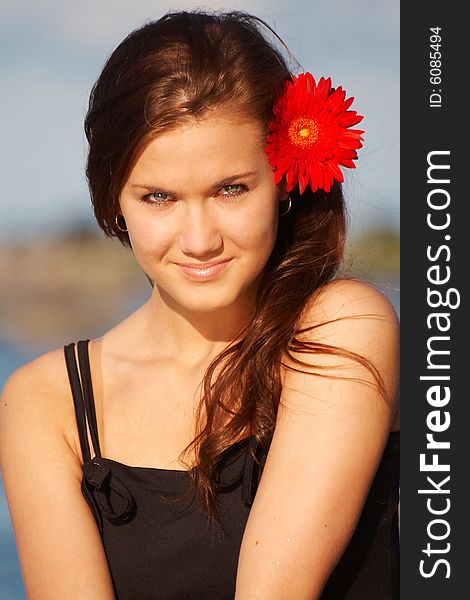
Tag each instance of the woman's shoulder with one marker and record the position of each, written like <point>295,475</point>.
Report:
<point>349,319</point>
<point>349,297</point>
<point>349,313</point>
<point>35,397</point>
<point>46,375</point>
<point>41,375</point>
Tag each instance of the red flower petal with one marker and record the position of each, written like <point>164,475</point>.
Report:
<point>309,135</point>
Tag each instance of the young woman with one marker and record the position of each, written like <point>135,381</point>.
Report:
<point>237,435</point>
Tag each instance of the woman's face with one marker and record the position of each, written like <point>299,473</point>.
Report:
<point>203,194</point>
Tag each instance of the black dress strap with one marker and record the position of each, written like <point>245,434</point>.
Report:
<point>83,400</point>
<point>85,372</point>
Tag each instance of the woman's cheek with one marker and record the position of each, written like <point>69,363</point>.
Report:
<point>148,249</point>
<point>147,237</point>
<point>261,239</point>
<point>259,225</point>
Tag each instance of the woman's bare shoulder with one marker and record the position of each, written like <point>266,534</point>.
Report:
<point>41,378</point>
<point>355,317</point>
<point>36,396</point>
<point>352,330</point>
<point>343,298</point>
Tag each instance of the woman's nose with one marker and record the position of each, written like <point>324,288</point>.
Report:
<point>199,234</point>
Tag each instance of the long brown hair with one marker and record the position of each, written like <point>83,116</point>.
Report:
<point>162,75</point>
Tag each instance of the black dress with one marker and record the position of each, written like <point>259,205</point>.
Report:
<point>159,543</point>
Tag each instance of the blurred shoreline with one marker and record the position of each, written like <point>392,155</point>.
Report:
<point>57,288</point>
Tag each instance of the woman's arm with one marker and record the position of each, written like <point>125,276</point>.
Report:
<point>328,441</point>
<point>59,546</point>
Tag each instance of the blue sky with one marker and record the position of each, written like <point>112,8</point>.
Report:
<point>51,53</point>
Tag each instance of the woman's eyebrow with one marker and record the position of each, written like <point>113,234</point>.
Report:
<point>221,183</point>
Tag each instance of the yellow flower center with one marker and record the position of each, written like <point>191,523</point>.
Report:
<point>303,132</point>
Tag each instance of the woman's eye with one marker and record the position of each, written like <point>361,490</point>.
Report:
<point>242,188</point>
<point>152,198</point>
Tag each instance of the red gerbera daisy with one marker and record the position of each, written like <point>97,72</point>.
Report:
<point>309,136</point>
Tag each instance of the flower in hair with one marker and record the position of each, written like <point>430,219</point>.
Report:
<point>309,136</point>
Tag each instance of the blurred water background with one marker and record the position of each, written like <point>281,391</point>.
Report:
<point>60,279</point>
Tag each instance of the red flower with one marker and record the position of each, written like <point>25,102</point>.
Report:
<point>309,137</point>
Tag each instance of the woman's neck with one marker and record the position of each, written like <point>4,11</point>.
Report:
<point>191,338</point>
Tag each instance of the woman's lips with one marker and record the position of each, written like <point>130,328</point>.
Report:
<point>199,273</point>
